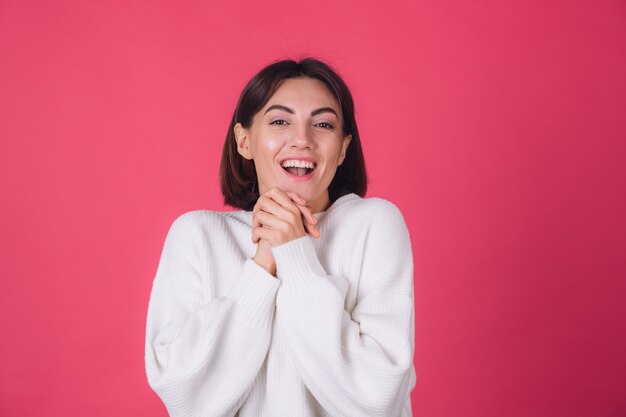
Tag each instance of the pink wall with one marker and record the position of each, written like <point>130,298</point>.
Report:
<point>497,127</point>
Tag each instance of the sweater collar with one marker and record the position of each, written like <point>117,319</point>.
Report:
<point>338,202</point>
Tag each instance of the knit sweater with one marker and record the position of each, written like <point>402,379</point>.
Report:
<point>331,335</point>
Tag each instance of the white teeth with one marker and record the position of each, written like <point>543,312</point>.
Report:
<point>298,163</point>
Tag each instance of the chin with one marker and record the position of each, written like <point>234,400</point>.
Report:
<point>302,191</point>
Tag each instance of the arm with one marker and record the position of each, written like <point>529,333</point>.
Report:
<point>358,364</point>
<point>203,352</point>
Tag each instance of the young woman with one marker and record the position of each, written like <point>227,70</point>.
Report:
<point>300,303</point>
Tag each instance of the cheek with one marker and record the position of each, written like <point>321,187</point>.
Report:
<point>332,153</point>
<point>266,148</point>
<point>268,144</point>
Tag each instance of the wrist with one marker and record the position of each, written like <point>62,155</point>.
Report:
<point>269,267</point>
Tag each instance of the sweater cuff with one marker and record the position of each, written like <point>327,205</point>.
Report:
<point>254,294</point>
<point>297,264</point>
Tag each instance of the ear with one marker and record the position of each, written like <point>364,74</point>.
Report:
<point>344,147</point>
<point>242,137</point>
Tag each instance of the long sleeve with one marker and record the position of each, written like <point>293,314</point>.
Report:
<point>358,364</point>
<point>202,351</point>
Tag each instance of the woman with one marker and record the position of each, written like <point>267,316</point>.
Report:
<point>301,302</point>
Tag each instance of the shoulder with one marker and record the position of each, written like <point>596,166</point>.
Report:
<point>191,231</point>
<point>186,229</point>
<point>205,223</point>
<point>382,206</point>
<point>202,216</point>
<point>188,221</point>
<point>192,216</point>
<point>373,210</point>
<point>381,219</point>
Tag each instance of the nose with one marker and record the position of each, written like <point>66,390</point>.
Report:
<point>302,138</point>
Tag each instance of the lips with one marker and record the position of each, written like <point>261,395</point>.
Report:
<point>299,171</point>
<point>298,157</point>
<point>292,173</point>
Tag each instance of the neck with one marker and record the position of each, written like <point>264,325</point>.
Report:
<point>321,203</point>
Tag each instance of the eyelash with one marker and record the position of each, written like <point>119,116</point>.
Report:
<point>280,120</point>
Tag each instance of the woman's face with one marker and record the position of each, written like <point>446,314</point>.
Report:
<point>302,121</point>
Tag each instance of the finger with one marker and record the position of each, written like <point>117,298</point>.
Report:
<point>312,229</point>
<point>281,198</point>
<point>296,197</point>
<point>261,233</point>
<point>264,215</point>
<point>276,202</point>
<point>309,220</point>
<point>256,222</point>
<point>306,210</point>
<point>287,199</point>
<point>266,204</point>
<point>266,219</point>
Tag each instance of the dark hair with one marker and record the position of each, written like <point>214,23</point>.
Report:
<point>238,179</point>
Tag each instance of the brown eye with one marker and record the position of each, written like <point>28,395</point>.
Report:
<point>328,125</point>
<point>278,124</point>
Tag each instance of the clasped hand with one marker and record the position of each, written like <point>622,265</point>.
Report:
<point>279,217</point>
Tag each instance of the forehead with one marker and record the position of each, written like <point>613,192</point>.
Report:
<point>303,93</point>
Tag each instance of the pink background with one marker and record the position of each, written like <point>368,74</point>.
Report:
<point>497,127</point>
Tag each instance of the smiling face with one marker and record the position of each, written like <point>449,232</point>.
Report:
<point>302,121</point>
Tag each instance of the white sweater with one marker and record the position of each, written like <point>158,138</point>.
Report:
<point>331,335</point>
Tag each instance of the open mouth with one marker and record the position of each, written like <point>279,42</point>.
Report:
<point>299,171</point>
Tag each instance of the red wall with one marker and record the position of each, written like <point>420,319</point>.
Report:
<point>497,127</point>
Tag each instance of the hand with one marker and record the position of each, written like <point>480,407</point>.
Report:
<point>263,255</point>
<point>309,220</point>
<point>280,217</point>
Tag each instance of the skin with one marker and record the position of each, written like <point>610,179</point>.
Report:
<point>284,209</point>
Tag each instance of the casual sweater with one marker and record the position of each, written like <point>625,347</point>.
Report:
<point>331,335</point>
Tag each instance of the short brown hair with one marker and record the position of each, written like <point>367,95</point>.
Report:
<point>238,179</point>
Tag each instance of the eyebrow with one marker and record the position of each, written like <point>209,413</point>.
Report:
<point>292,111</point>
